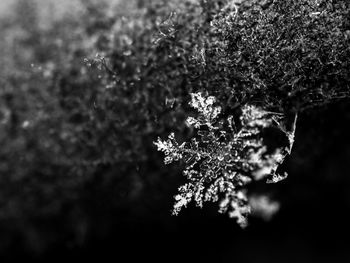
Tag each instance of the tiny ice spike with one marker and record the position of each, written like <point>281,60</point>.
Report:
<point>221,160</point>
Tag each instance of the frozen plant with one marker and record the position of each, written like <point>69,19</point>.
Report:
<point>223,158</point>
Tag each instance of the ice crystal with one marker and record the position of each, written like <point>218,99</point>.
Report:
<point>262,206</point>
<point>221,160</point>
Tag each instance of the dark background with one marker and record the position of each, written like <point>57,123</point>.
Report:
<point>311,226</point>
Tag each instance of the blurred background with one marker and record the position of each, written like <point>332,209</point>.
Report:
<point>80,178</point>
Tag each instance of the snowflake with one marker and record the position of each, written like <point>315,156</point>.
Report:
<point>221,160</point>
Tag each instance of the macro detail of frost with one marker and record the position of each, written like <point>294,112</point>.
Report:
<point>223,157</point>
<point>263,206</point>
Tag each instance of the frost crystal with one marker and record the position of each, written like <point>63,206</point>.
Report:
<point>220,161</point>
<point>263,207</point>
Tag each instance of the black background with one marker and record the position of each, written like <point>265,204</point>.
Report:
<point>311,226</point>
